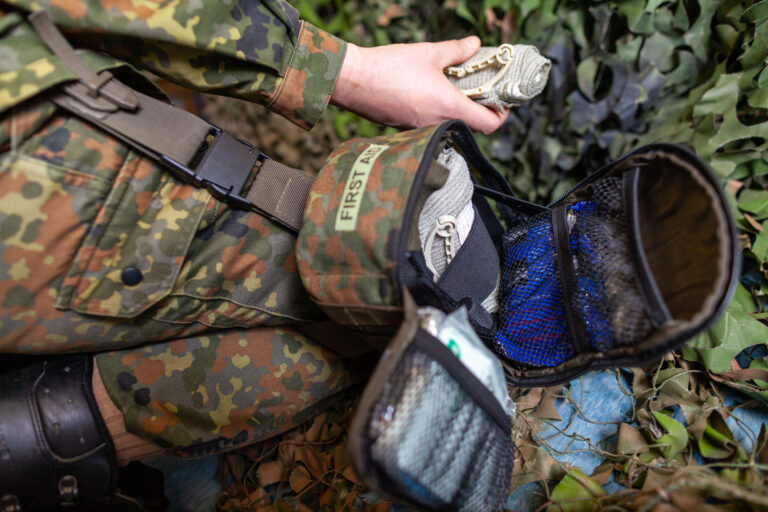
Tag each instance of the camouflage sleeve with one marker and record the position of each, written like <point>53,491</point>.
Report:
<point>253,50</point>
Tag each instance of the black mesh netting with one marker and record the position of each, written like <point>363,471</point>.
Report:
<point>608,294</point>
<point>434,444</point>
<point>533,328</point>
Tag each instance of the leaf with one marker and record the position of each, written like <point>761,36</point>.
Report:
<point>761,445</point>
<point>299,479</point>
<point>586,73</point>
<point>734,331</point>
<point>754,201</point>
<point>656,52</point>
<point>630,440</point>
<point>760,247</point>
<point>237,466</point>
<point>757,12</point>
<point>314,463</point>
<point>546,408</point>
<point>676,437</point>
<point>575,493</point>
<point>757,52</point>
<point>717,441</point>
<point>340,456</point>
<point>269,472</point>
<point>742,299</point>
<point>724,95</point>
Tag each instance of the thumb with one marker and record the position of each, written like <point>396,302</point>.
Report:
<point>457,51</point>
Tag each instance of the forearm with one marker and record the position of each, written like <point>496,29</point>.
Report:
<point>403,85</point>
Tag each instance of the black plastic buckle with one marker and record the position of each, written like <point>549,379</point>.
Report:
<point>223,169</point>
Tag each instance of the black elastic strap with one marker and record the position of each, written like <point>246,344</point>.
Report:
<point>567,275</point>
<point>474,272</point>
<point>470,384</point>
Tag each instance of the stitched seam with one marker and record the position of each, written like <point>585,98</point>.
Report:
<point>228,301</point>
<point>279,92</point>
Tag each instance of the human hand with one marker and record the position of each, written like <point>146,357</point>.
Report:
<point>403,85</point>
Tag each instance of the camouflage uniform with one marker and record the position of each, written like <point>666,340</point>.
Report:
<point>198,355</point>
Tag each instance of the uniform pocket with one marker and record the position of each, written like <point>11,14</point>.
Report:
<point>134,250</point>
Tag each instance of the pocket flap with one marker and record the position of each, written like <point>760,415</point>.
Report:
<point>133,252</point>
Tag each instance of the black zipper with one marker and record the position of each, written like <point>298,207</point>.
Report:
<point>567,275</point>
<point>410,205</point>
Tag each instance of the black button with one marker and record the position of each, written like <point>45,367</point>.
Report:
<point>131,276</point>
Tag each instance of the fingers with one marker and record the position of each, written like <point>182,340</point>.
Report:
<point>479,117</point>
<point>475,115</point>
<point>456,51</point>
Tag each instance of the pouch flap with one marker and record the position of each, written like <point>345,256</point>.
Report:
<point>131,257</point>
<point>346,249</point>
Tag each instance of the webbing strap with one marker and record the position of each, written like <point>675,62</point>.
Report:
<point>155,125</point>
<point>177,139</point>
<point>101,83</point>
<point>281,191</point>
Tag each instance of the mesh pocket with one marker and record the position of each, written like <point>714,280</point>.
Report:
<point>433,443</point>
<point>606,300</point>
<point>608,295</point>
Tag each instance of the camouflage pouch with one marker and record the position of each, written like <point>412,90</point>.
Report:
<point>636,259</point>
<point>359,229</point>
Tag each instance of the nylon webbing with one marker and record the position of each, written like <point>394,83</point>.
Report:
<point>154,125</point>
<point>160,130</point>
<point>96,83</point>
<point>281,191</point>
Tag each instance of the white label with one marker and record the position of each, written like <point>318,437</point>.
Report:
<point>346,218</point>
<point>475,359</point>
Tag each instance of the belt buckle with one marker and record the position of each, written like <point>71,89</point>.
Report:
<point>223,168</point>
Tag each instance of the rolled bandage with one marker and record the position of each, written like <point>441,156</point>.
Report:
<point>502,77</point>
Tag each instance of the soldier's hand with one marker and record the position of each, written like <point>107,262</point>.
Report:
<point>403,85</point>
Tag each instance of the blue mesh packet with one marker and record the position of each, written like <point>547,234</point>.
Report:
<point>533,327</point>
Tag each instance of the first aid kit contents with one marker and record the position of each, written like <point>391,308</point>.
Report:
<point>433,426</point>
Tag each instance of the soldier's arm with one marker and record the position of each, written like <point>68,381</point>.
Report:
<point>256,50</point>
<point>259,50</point>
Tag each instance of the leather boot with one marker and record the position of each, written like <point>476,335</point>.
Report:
<point>54,447</point>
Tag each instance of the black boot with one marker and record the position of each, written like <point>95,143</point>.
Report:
<point>54,447</point>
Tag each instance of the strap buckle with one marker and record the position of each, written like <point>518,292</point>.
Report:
<point>223,169</point>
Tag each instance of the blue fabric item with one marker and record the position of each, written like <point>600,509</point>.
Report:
<point>590,294</point>
<point>532,325</point>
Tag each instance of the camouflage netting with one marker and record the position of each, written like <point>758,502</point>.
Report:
<point>683,435</point>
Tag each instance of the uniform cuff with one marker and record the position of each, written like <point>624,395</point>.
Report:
<point>310,76</point>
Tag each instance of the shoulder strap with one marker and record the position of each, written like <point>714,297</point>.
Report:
<point>193,149</point>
